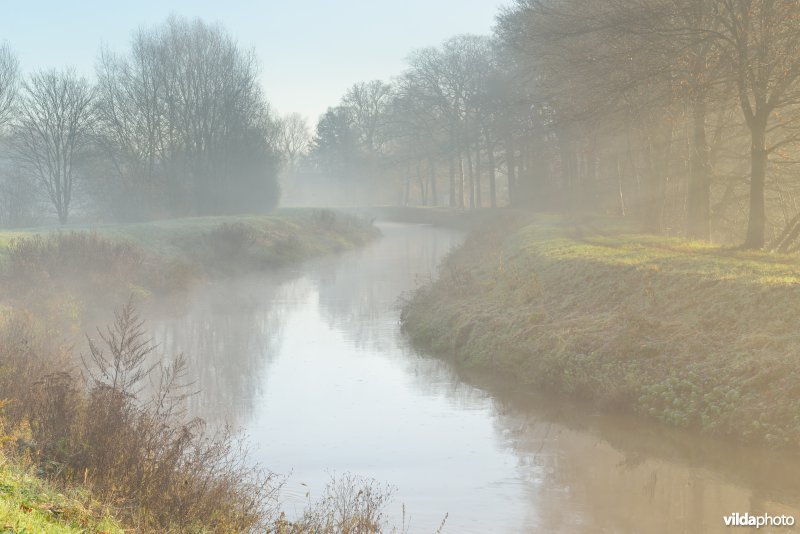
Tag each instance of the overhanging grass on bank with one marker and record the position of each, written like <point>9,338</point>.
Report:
<point>687,333</point>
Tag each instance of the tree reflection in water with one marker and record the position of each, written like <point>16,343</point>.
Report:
<point>229,333</point>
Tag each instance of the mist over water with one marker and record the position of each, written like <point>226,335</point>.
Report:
<point>312,365</point>
<point>187,265</point>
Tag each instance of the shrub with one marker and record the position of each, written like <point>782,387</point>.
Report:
<point>66,254</point>
<point>225,249</point>
<point>349,505</point>
<point>324,219</point>
<point>134,446</point>
<point>46,270</point>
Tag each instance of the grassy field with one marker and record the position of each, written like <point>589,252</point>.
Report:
<point>687,333</point>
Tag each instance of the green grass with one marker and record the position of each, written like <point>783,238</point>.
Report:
<point>29,505</point>
<point>687,333</point>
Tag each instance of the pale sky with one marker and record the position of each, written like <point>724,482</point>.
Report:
<point>310,51</point>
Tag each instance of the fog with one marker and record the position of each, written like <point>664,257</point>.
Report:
<point>537,273</point>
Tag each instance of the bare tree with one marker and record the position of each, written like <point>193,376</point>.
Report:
<point>449,76</point>
<point>293,138</point>
<point>185,122</point>
<point>54,126</point>
<point>16,194</point>
<point>367,102</point>
<point>9,82</point>
<point>763,43</point>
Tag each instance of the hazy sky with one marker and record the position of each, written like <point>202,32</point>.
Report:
<point>310,51</point>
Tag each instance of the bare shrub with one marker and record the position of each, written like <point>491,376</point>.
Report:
<point>349,505</point>
<point>145,452</point>
<point>70,252</point>
<point>28,353</point>
<point>225,248</point>
<point>82,258</point>
<point>232,238</point>
<point>125,367</point>
<point>124,433</point>
<point>286,249</point>
<point>54,407</point>
<point>324,218</point>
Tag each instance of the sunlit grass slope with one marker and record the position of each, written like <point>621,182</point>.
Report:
<point>29,505</point>
<point>687,333</point>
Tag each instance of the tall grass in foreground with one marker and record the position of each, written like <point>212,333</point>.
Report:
<point>137,452</point>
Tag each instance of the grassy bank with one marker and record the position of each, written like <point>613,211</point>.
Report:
<point>686,333</point>
<point>285,235</point>
<point>29,505</point>
<point>61,273</point>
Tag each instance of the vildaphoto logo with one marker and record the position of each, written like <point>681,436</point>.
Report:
<point>758,521</point>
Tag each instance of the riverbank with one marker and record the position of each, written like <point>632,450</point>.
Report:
<point>28,504</point>
<point>64,272</point>
<point>453,218</point>
<point>76,411</point>
<point>284,236</point>
<point>686,333</point>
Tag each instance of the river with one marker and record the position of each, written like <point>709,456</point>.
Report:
<point>312,366</point>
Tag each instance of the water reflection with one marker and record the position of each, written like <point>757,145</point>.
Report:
<point>314,367</point>
<point>358,291</point>
<point>229,334</point>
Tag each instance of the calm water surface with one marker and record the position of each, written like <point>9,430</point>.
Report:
<point>312,366</point>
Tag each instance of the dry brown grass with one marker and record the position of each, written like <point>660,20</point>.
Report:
<point>138,452</point>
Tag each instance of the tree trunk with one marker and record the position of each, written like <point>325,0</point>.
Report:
<point>698,201</point>
<point>452,185</point>
<point>460,179</point>
<point>492,176</point>
<point>423,187</point>
<point>407,188</point>
<point>471,176</point>
<point>621,196</point>
<point>566,150</point>
<point>591,178</point>
<point>478,185</point>
<point>651,212</point>
<point>758,153</point>
<point>511,168</point>
<point>432,181</point>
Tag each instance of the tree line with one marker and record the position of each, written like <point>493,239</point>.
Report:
<point>680,113</point>
<point>177,125</point>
